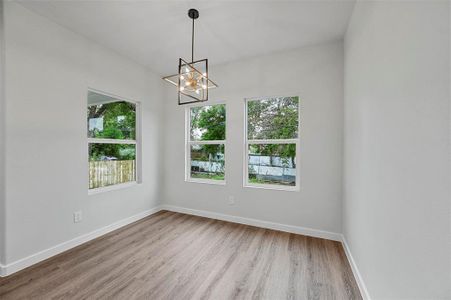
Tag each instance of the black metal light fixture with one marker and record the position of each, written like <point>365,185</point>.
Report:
<point>192,80</point>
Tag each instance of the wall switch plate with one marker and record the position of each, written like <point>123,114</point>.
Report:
<point>78,216</point>
<point>231,200</point>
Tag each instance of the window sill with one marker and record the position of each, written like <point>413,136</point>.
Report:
<point>273,187</point>
<point>206,181</point>
<point>112,188</point>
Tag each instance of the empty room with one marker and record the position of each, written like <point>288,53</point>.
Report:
<point>222,149</point>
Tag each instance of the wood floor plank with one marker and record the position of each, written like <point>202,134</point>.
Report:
<point>177,256</point>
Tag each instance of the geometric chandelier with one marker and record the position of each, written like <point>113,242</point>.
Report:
<point>192,80</point>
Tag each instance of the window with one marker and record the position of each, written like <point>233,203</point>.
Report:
<point>205,143</point>
<point>272,143</point>
<point>112,140</point>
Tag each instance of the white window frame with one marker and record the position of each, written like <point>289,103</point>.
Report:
<point>188,144</point>
<point>137,142</point>
<point>248,142</point>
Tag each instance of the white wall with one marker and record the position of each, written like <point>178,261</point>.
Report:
<point>396,189</point>
<point>316,75</point>
<point>48,71</point>
<point>2,138</point>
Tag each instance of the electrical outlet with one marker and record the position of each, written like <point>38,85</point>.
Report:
<point>78,216</point>
<point>231,200</point>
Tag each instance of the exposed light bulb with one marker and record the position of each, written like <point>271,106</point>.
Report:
<point>182,88</point>
<point>187,83</point>
<point>182,77</point>
<point>204,86</point>
<point>197,92</point>
<point>186,70</point>
<point>204,74</point>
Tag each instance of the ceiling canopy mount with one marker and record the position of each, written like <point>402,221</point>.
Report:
<point>193,13</point>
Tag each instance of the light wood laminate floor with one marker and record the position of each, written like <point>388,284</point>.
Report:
<point>176,256</point>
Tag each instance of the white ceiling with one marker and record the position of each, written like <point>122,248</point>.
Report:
<point>157,33</point>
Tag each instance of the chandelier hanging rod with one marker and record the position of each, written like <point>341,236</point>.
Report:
<point>193,14</point>
<point>192,43</point>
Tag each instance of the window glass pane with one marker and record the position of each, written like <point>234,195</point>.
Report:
<point>273,118</point>
<point>111,164</point>
<point>272,164</point>
<point>208,123</point>
<point>207,161</point>
<point>115,120</point>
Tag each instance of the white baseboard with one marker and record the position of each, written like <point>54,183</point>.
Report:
<point>2,271</point>
<point>23,263</point>
<point>258,223</point>
<point>355,270</point>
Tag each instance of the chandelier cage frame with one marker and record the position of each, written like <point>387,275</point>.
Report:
<point>198,82</point>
